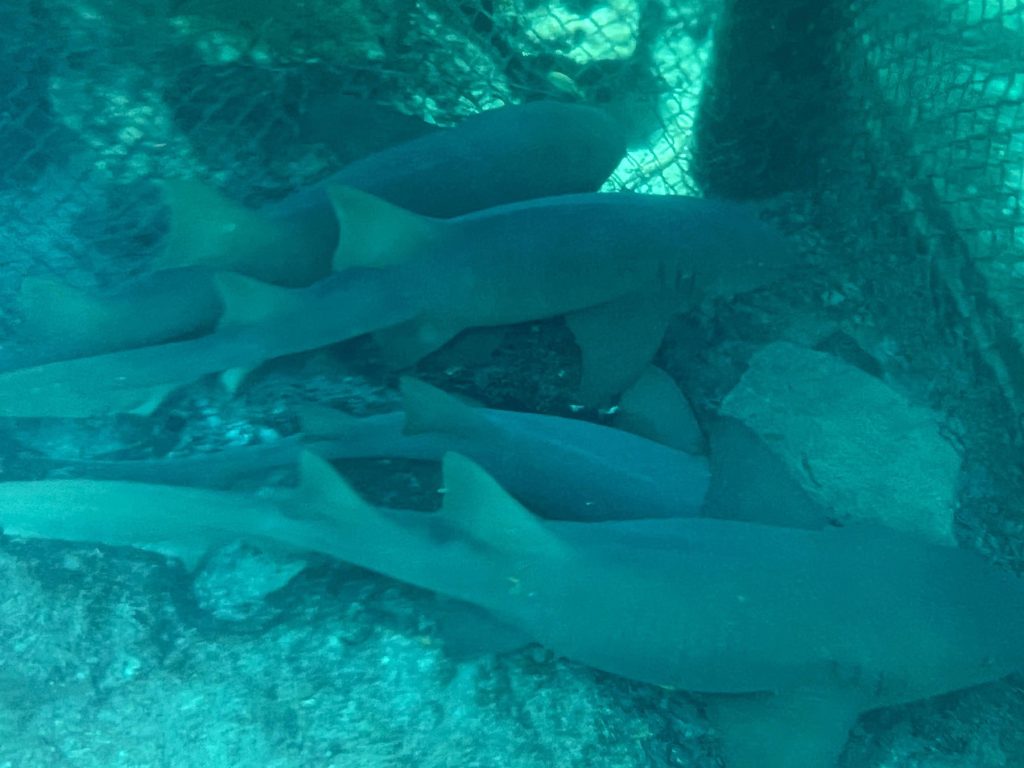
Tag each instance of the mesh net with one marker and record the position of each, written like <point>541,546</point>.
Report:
<point>888,136</point>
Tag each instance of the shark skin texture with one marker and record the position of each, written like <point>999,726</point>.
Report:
<point>515,153</point>
<point>790,633</point>
<point>619,265</point>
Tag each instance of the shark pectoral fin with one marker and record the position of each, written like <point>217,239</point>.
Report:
<point>477,505</point>
<point>407,343</point>
<point>655,408</point>
<point>429,409</point>
<point>800,729</point>
<point>375,233</point>
<point>151,399</point>
<point>190,551</point>
<point>248,301</point>
<point>750,482</point>
<point>233,378</point>
<point>472,349</point>
<point>468,632</point>
<point>617,340</point>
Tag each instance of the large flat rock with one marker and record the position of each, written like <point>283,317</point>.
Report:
<point>854,444</point>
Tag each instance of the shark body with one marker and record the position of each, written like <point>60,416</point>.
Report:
<point>496,157</point>
<point>792,633</point>
<point>618,264</point>
<point>561,468</point>
<point>137,380</point>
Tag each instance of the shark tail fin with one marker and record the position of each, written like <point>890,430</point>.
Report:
<point>53,311</point>
<point>375,233</point>
<point>209,230</point>
<point>475,504</point>
<point>429,409</point>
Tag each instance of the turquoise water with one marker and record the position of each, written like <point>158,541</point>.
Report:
<point>241,236</point>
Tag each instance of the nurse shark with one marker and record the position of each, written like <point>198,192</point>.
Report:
<point>618,266</point>
<point>562,468</point>
<point>500,156</point>
<point>790,633</point>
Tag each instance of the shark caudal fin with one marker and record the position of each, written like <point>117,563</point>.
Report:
<point>209,230</point>
<point>59,317</point>
<point>63,321</point>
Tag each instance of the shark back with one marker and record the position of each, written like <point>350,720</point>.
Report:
<point>726,607</point>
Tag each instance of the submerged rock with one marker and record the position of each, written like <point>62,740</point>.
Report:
<point>853,443</point>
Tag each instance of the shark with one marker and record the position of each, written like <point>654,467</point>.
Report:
<point>500,156</point>
<point>59,321</point>
<point>618,266</point>
<point>353,127</point>
<point>276,323</point>
<point>561,468</point>
<point>505,155</point>
<point>789,633</point>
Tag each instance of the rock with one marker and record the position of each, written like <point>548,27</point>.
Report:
<point>855,445</point>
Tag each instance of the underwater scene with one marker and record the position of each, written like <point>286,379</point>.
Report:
<point>511,383</point>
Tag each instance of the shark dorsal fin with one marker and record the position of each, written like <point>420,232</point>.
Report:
<point>375,233</point>
<point>248,301</point>
<point>477,505</point>
<point>322,492</point>
<point>655,408</point>
<point>233,378</point>
<point>429,409</point>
